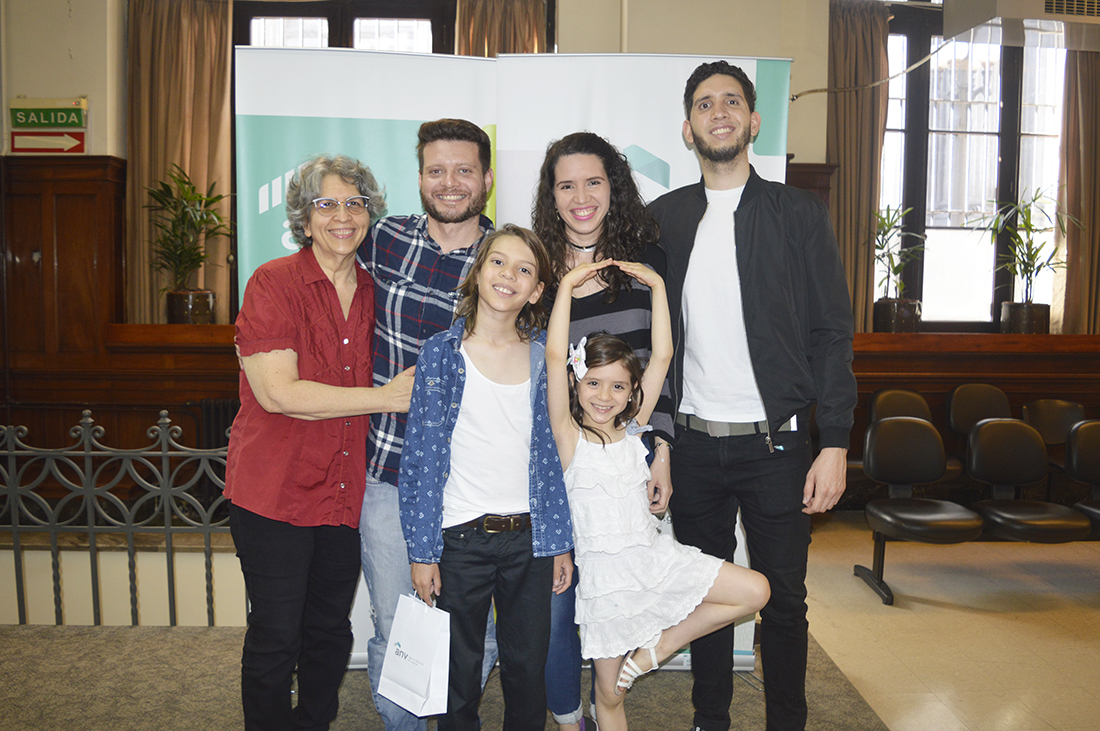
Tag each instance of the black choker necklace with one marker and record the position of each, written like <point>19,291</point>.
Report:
<point>583,248</point>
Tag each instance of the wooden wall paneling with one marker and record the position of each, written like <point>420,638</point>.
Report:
<point>814,177</point>
<point>65,224</point>
<point>76,273</point>
<point>25,303</point>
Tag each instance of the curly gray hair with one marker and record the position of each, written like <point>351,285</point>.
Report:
<point>306,185</point>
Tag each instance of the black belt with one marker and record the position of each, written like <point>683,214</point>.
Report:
<point>726,428</point>
<point>497,523</point>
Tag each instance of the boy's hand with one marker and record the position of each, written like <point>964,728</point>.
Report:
<point>563,572</point>
<point>426,581</point>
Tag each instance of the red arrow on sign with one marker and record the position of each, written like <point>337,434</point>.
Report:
<point>38,141</point>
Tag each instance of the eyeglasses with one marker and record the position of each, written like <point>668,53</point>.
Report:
<point>356,205</point>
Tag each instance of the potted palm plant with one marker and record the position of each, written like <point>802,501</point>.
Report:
<point>896,313</point>
<point>184,218</point>
<point>1027,224</point>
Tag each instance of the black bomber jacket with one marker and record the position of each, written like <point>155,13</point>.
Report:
<point>798,312</point>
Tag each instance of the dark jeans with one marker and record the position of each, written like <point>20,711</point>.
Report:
<point>476,568</point>
<point>300,582</point>
<point>714,477</point>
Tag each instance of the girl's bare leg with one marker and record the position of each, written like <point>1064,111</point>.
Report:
<point>609,706</point>
<point>736,592</point>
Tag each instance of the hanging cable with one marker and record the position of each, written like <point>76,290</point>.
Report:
<point>880,82</point>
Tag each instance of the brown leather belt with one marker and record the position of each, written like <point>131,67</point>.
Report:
<point>727,429</point>
<point>497,523</point>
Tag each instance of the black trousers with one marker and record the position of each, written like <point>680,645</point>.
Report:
<point>475,569</point>
<point>300,582</point>
<point>714,478</point>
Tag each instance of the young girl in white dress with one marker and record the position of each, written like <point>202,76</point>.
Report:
<point>642,595</point>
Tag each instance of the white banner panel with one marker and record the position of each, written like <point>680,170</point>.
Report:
<point>365,104</point>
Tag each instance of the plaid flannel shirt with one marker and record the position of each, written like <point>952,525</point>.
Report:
<point>416,292</point>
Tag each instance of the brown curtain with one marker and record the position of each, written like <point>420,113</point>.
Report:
<point>1081,194</point>
<point>856,126</point>
<point>489,27</point>
<point>179,61</point>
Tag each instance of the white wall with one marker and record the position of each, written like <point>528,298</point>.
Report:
<point>795,29</point>
<point>68,48</point>
<point>152,577</point>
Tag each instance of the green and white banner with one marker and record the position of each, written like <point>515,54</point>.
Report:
<point>633,100</point>
<point>292,104</point>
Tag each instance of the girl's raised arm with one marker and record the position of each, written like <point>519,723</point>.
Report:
<point>557,355</point>
<point>660,337</point>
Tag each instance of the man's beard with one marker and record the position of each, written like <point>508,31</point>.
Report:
<point>723,154</point>
<point>473,208</point>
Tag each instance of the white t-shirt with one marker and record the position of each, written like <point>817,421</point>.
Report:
<point>719,384</point>
<point>490,450</point>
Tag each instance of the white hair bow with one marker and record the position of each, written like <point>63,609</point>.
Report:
<point>577,357</point>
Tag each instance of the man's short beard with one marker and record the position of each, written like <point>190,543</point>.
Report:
<point>723,154</point>
<point>474,208</point>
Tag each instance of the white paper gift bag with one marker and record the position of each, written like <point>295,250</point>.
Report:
<point>415,670</point>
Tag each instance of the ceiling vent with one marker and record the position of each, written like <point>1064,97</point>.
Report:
<point>1077,20</point>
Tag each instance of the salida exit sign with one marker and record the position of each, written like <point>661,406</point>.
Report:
<point>54,113</point>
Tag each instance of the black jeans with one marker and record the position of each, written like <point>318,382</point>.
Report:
<point>714,478</point>
<point>475,569</point>
<point>300,582</point>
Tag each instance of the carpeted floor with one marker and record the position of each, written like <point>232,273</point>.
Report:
<point>187,678</point>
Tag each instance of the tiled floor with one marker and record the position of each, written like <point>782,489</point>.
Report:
<point>982,636</point>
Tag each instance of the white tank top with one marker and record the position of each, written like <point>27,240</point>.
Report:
<point>490,450</point>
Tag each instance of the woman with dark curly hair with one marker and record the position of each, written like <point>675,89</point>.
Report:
<point>587,208</point>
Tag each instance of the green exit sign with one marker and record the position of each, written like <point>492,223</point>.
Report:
<point>49,113</point>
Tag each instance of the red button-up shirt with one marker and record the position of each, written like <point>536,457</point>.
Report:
<point>302,472</point>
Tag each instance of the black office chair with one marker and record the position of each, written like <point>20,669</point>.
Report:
<point>887,402</point>
<point>1083,465</point>
<point>1052,418</point>
<point>971,402</point>
<point>902,451</point>
<point>1007,454</point>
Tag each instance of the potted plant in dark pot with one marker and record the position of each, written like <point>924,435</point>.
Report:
<point>184,218</point>
<point>1027,224</point>
<point>894,314</point>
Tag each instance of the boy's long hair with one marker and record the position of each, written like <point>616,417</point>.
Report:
<point>601,349</point>
<point>532,318</point>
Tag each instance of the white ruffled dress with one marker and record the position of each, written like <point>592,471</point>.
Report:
<point>635,582</point>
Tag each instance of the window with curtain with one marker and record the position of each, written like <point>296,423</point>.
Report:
<point>978,123</point>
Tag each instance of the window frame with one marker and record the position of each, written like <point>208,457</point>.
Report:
<point>920,24</point>
<point>341,15</point>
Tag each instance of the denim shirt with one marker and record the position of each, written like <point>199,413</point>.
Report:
<point>426,457</point>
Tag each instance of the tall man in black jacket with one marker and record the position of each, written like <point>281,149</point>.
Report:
<point>763,330</point>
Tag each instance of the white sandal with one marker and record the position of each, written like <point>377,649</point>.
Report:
<point>629,670</point>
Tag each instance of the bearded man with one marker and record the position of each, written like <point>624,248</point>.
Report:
<point>762,321</point>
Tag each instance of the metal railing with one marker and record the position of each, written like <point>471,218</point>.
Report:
<point>90,491</point>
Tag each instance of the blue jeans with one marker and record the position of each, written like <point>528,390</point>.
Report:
<point>563,661</point>
<point>715,477</point>
<point>385,561</point>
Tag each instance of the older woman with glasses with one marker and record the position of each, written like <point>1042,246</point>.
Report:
<point>296,470</point>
